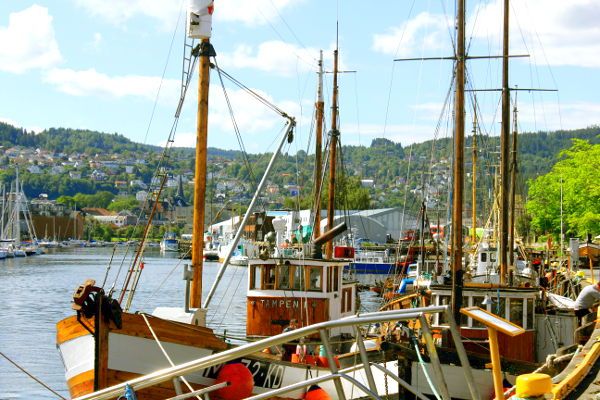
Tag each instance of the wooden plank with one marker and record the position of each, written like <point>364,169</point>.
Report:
<point>81,384</point>
<point>69,328</point>
<point>101,343</point>
<point>520,347</point>
<point>579,367</point>
<point>134,325</point>
<point>169,331</point>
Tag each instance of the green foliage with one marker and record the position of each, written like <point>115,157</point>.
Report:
<point>129,203</point>
<point>578,173</point>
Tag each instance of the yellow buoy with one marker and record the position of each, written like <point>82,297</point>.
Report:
<point>533,385</point>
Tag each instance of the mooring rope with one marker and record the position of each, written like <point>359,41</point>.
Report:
<point>32,376</point>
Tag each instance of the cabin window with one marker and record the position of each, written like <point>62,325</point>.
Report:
<point>483,257</point>
<point>346,300</point>
<point>336,278</point>
<point>283,276</point>
<point>464,320</point>
<point>500,307</point>
<point>477,302</point>
<point>332,278</point>
<point>530,309</point>
<point>268,279</point>
<point>297,273</point>
<point>315,280</point>
<point>443,301</point>
<point>516,311</point>
<point>254,277</point>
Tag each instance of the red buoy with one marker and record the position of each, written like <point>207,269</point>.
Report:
<point>240,381</point>
<point>316,393</point>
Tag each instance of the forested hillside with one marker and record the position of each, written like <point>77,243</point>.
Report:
<point>61,161</point>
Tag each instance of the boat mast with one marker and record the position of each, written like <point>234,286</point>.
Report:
<point>200,173</point>
<point>332,155</point>
<point>474,181</point>
<point>504,153</point>
<point>18,213</point>
<point>513,189</point>
<point>459,139</point>
<point>319,111</point>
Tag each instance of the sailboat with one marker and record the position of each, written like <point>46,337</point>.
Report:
<point>501,292</point>
<point>104,344</point>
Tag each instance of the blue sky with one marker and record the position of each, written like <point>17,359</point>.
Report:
<point>97,64</point>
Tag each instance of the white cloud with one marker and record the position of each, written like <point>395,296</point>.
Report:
<point>91,82</point>
<point>425,32</point>
<point>17,124</point>
<point>28,41</point>
<point>555,32</point>
<point>554,116</point>
<point>119,11</point>
<point>97,40</point>
<point>400,133</point>
<point>561,33</point>
<point>252,118</point>
<point>256,12</point>
<point>284,59</point>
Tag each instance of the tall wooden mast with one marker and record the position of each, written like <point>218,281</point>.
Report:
<point>332,155</point>
<point>504,153</point>
<point>200,174</point>
<point>513,189</point>
<point>458,182</point>
<point>319,111</point>
<point>474,182</point>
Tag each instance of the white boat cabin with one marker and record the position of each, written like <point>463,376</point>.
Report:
<point>307,290</point>
<point>518,306</point>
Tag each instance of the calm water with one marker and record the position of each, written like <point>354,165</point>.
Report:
<point>36,292</point>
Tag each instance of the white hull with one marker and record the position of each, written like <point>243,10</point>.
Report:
<point>168,246</point>
<point>143,356</point>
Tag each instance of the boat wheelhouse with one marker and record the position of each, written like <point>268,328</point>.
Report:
<point>308,290</point>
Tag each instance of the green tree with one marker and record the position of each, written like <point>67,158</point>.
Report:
<point>577,175</point>
<point>124,203</point>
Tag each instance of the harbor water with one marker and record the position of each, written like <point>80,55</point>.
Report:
<point>36,293</point>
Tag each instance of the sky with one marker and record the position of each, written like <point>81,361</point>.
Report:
<point>115,66</point>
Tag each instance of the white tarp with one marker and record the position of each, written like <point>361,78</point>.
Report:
<point>200,18</point>
<point>561,302</point>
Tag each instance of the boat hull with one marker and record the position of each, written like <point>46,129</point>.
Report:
<point>132,351</point>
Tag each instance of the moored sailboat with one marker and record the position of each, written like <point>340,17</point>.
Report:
<point>105,344</point>
<point>503,288</point>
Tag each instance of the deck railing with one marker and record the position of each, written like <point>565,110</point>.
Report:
<point>335,374</point>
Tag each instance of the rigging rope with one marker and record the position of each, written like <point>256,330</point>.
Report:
<point>162,349</point>
<point>32,376</point>
<point>236,127</point>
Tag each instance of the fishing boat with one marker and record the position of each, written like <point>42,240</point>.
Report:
<point>105,344</point>
<point>499,286</point>
<point>169,242</point>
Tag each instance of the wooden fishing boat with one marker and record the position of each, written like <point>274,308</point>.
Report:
<point>105,344</point>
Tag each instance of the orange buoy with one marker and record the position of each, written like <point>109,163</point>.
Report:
<point>316,393</point>
<point>241,382</point>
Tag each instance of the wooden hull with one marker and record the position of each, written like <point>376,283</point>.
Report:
<point>132,351</point>
<point>128,352</point>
